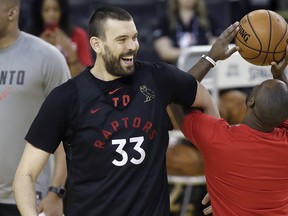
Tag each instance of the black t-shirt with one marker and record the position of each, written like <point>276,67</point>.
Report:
<point>116,136</point>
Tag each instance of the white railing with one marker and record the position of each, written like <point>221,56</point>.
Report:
<point>233,72</point>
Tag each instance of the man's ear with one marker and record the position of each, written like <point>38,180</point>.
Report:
<point>13,13</point>
<point>96,44</point>
<point>251,102</point>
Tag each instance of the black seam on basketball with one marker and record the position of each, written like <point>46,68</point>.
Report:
<point>259,53</point>
<point>269,43</point>
<point>260,50</point>
<point>256,49</point>
<point>246,44</point>
<point>264,53</point>
<point>279,43</point>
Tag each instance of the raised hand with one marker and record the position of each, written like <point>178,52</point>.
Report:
<point>277,69</point>
<point>220,49</point>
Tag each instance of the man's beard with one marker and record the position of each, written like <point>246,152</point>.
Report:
<point>113,64</point>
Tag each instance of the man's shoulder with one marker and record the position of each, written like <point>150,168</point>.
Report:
<point>37,44</point>
<point>150,66</point>
<point>65,90</point>
<point>27,37</point>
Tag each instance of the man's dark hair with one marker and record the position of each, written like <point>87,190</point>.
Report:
<point>101,15</point>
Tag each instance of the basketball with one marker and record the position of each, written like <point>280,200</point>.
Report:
<point>262,37</point>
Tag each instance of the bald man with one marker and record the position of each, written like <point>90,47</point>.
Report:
<point>246,166</point>
<point>29,69</point>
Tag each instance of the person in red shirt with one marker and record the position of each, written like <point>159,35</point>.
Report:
<point>50,21</point>
<point>246,165</point>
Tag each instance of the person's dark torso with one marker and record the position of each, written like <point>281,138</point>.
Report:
<point>121,141</point>
<point>115,136</point>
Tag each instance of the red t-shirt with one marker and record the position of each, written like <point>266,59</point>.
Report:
<point>246,170</point>
<point>80,39</point>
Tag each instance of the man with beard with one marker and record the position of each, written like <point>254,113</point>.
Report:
<point>113,122</point>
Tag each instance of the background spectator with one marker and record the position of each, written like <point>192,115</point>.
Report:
<point>220,15</point>
<point>51,22</point>
<point>30,69</point>
<point>185,24</point>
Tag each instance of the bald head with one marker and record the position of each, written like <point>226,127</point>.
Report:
<point>10,3</point>
<point>269,102</point>
<point>9,17</point>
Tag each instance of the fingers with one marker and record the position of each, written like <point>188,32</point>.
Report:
<point>234,31</point>
<point>232,50</point>
<point>206,199</point>
<point>40,208</point>
<point>207,210</point>
<point>282,63</point>
<point>231,31</point>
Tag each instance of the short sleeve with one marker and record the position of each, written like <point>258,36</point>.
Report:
<point>201,128</point>
<point>176,85</point>
<point>48,127</point>
<point>55,69</point>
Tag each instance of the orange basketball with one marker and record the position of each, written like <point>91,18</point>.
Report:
<point>262,37</point>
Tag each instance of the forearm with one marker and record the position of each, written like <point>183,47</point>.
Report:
<point>52,204</point>
<point>212,110</point>
<point>200,69</point>
<point>60,169</point>
<point>30,165</point>
<point>25,194</point>
<point>169,54</point>
<point>219,51</point>
<point>166,51</point>
<point>205,102</point>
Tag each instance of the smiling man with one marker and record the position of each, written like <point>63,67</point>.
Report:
<point>112,119</point>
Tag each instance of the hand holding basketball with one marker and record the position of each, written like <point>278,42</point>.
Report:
<point>220,49</point>
<point>262,37</point>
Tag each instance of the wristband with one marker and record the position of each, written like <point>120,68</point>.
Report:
<point>60,191</point>
<point>209,59</point>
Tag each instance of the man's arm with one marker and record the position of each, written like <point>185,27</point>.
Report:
<point>60,169</point>
<point>278,70</point>
<point>166,50</point>
<point>205,102</point>
<point>52,204</point>
<point>219,51</point>
<point>31,164</point>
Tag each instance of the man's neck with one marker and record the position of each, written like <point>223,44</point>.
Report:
<point>253,122</point>
<point>100,73</point>
<point>8,39</point>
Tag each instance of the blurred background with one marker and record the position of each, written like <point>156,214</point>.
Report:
<point>147,13</point>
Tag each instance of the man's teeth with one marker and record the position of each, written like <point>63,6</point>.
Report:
<point>128,58</point>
